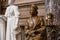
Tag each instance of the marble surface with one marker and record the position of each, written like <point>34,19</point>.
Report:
<point>2,27</point>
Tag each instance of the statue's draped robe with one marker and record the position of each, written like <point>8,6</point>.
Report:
<point>12,15</point>
<point>33,26</point>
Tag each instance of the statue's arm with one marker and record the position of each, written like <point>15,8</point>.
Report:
<point>16,11</point>
<point>26,28</point>
<point>42,25</point>
<point>7,12</point>
<point>41,29</point>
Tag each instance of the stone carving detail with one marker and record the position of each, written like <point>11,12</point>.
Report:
<point>50,27</point>
<point>35,29</point>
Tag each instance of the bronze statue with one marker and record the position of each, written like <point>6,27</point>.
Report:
<point>35,29</point>
<point>50,27</point>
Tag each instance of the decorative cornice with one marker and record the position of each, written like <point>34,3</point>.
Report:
<point>29,3</point>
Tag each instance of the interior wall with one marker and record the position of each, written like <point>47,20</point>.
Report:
<point>24,9</point>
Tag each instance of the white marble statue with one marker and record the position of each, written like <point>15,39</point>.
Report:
<point>12,15</point>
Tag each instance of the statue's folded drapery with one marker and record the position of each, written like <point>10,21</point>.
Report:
<point>12,15</point>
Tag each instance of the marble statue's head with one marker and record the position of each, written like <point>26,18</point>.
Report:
<point>10,2</point>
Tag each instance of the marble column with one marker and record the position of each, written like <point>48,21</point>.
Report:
<point>2,28</point>
<point>54,8</point>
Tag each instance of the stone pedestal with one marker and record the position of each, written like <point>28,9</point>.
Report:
<point>2,28</point>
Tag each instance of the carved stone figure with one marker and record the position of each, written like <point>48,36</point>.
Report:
<point>12,15</point>
<point>35,29</point>
<point>51,27</point>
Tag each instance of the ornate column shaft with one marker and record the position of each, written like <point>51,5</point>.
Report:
<point>52,8</point>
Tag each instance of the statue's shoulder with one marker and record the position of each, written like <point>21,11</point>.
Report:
<point>12,6</point>
<point>40,18</point>
<point>15,6</point>
<point>8,7</point>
